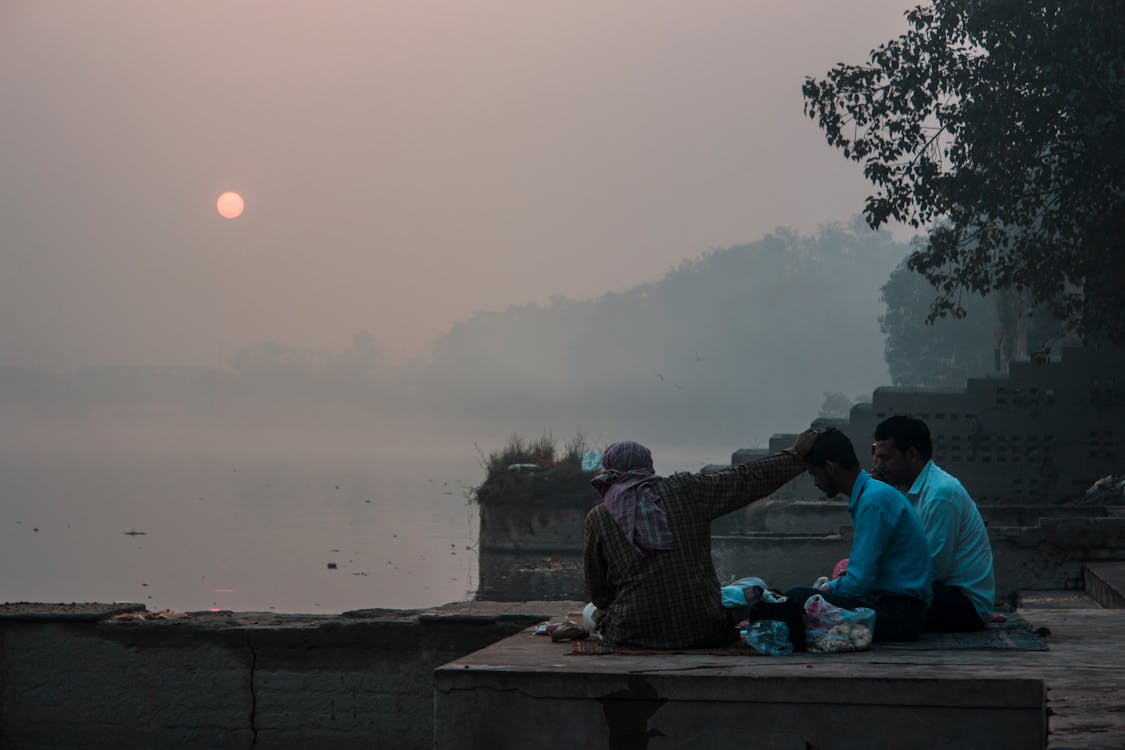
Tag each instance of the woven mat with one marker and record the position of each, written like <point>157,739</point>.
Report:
<point>594,648</point>
<point>1015,634</point>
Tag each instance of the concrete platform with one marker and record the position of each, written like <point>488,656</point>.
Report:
<point>528,692</point>
<point>1105,582</point>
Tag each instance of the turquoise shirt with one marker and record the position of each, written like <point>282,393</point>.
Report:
<point>890,556</point>
<point>959,546</point>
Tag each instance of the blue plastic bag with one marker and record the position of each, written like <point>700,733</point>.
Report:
<point>769,637</point>
<point>734,594</point>
<point>591,461</point>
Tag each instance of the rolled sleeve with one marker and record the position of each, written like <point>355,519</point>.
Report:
<point>728,490</point>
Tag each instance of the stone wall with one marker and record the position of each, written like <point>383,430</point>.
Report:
<point>225,680</point>
<point>1042,434</point>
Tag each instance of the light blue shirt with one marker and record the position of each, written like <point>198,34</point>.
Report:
<point>959,546</point>
<point>889,554</point>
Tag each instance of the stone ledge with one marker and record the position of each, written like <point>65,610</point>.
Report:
<point>467,612</point>
<point>72,612</point>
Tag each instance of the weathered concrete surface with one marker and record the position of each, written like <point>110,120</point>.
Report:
<point>1055,600</point>
<point>235,680</point>
<point>1052,554</point>
<point>504,695</point>
<point>534,512</point>
<point>1105,582</point>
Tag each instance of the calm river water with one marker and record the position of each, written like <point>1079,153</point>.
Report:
<point>290,521</point>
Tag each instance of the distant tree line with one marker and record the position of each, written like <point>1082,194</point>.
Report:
<point>732,346</point>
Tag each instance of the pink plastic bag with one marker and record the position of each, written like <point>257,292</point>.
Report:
<point>829,628</point>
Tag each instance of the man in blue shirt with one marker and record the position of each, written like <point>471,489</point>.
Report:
<point>964,584</point>
<point>889,564</point>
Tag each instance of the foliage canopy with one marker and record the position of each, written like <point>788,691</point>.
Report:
<point>999,127</point>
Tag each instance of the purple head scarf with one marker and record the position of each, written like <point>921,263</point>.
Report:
<point>638,510</point>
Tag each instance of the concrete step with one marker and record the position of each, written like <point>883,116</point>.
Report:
<point>1027,601</point>
<point>1105,582</point>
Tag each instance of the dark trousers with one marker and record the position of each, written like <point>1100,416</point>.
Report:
<point>897,618</point>
<point>952,612</point>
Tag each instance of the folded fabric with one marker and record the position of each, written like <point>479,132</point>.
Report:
<point>746,591</point>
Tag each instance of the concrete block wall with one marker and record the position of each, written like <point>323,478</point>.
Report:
<point>238,680</point>
<point>543,526</point>
<point>82,685</point>
<point>1042,434</point>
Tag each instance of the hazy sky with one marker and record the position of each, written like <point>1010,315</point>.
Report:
<point>403,163</point>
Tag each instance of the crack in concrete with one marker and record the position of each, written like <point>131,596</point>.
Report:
<point>695,668</point>
<point>253,693</point>
<point>490,688</point>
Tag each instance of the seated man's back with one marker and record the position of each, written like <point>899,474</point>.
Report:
<point>964,582</point>
<point>648,545</point>
<point>958,538</point>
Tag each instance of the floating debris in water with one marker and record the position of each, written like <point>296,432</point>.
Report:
<point>331,566</point>
<point>134,532</point>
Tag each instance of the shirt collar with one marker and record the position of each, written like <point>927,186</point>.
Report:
<point>920,482</point>
<point>857,488</point>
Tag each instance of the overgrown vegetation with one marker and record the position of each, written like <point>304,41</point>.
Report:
<point>541,452</point>
<point>527,470</point>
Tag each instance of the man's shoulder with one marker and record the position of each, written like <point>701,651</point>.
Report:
<point>597,513</point>
<point>941,485</point>
<point>881,487</point>
<point>879,491</point>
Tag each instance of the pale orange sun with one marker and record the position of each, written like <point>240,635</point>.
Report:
<point>230,205</point>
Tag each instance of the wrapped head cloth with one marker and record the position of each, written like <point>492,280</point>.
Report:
<point>626,485</point>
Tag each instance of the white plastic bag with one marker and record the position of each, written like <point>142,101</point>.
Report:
<point>830,628</point>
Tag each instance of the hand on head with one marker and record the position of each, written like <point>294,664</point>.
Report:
<point>805,442</point>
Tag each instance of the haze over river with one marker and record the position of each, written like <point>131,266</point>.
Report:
<point>188,519</point>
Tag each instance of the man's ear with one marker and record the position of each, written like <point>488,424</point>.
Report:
<point>914,456</point>
<point>832,468</point>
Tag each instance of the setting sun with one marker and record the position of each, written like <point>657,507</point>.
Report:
<point>230,205</point>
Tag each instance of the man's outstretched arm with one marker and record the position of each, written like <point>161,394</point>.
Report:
<point>731,489</point>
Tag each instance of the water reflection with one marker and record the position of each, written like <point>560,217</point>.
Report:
<point>519,576</point>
